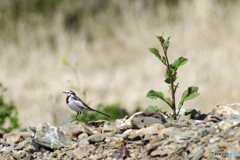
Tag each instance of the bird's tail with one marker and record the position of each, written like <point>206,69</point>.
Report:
<point>101,113</point>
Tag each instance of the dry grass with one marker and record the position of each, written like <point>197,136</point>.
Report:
<point>110,55</point>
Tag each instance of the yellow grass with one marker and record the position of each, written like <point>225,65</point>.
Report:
<point>110,56</point>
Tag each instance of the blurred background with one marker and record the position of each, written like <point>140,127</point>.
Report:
<point>99,49</point>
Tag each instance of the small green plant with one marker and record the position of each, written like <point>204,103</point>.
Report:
<point>170,79</point>
<point>154,109</point>
<point>114,111</point>
<point>8,113</point>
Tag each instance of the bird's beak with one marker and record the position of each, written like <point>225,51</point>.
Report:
<point>64,92</point>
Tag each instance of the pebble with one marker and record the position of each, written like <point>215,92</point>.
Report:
<point>142,136</point>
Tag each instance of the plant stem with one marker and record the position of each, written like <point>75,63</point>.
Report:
<point>171,85</point>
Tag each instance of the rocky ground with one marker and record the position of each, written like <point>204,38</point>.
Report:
<point>142,136</point>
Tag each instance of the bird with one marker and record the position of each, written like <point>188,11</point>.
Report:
<point>75,103</point>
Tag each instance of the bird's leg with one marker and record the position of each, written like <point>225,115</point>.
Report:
<point>79,113</point>
<point>75,117</point>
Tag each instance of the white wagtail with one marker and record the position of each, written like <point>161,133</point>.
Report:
<point>76,104</point>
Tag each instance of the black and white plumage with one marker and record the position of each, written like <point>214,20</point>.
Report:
<point>76,104</point>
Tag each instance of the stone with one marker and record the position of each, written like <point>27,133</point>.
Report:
<point>6,149</point>
<point>227,111</point>
<point>73,130</point>
<point>183,138</point>
<point>196,153</point>
<point>206,131</point>
<point>213,117</point>
<point>84,151</point>
<point>82,136</point>
<point>96,138</point>
<point>228,125</point>
<point>16,137</point>
<point>97,124</point>
<point>162,152</point>
<point>170,132</point>
<point>143,120</point>
<point>50,136</point>
<point>152,129</point>
<point>144,132</point>
<point>21,155</point>
<point>187,136</point>
<point>140,120</point>
<point>109,128</point>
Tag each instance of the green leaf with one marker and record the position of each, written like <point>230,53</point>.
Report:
<point>161,40</point>
<point>154,95</point>
<point>167,78</point>
<point>179,62</point>
<point>190,93</point>
<point>153,109</point>
<point>174,66</point>
<point>166,43</point>
<point>155,52</point>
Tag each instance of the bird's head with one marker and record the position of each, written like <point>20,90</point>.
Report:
<point>69,93</point>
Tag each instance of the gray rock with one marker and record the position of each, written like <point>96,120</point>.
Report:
<point>50,136</point>
<point>98,137</point>
<point>73,130</point>
<point>2,141</point>
<point>99,123</point>
<point>227,111</point>
<point>206,131</point>
<point>150,130</point>
<point>30,148</point>
<point>187,136</point>
<point>23,144</point>
<point>162,152</point>
<point>171,132</point>
<point>6,149</point>
<point>132,135</point>
<point>109,128</point>
<point>196,153</point>
<point>123,153</point>
<point>142,120</point>
<point>54,154</point>
<point>21,155</point>
<point>83,142</point>
<point>228,125</point>
<point>16,137</point>
<point>185,121</point>
<point>144,132</point>
<point>83,152</point>
<point>213,117</point>
<point>82,136</point>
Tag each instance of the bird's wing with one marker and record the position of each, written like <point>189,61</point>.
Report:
<point>81,103</point>
<point>76,98</point>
